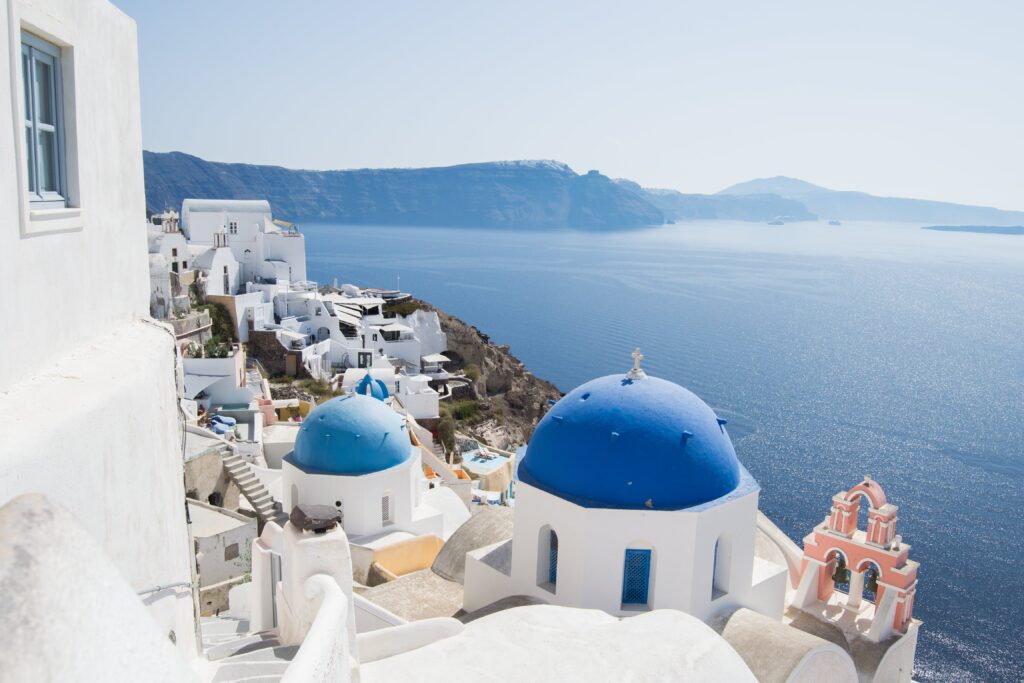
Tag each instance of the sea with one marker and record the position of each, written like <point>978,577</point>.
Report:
<point>833,351</point>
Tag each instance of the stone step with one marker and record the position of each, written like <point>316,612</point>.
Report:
<point>250,671</point>
<point>247,643</point>
<point>277,653</point>
<point>222,626</point>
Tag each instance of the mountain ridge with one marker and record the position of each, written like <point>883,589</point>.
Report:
<point>524,194</point>
<point>530,194</point>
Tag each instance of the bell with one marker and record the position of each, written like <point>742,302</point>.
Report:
<point>871,585</point>
<point>842,574</point>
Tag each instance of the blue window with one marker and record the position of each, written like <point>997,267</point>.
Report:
<point>553,559</point>
<point>44,122</point>
<point>636,577</point>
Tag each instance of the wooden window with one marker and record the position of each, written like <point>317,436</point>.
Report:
<point>44,122</point>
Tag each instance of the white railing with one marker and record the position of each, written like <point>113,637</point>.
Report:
<point>323,655</point>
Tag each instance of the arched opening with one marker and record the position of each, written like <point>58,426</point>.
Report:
<point>547,558</point>
<point>864,511</point>
<point>636,578</point>
<point>720,568</point>
<point>872,573</point>
<point>322,334</point>
<point>837,564</point>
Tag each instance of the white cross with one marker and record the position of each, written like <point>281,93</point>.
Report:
<point>636,372</point>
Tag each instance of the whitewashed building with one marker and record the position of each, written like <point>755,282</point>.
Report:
<point>265,250</point>
<point>93,389</point>
<point>354,453</point>
<point>630,498</point>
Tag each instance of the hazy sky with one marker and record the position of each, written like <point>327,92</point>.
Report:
<point>919,98</point>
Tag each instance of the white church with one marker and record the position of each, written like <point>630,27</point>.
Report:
<point>353,453</point>
<point>630,498</point>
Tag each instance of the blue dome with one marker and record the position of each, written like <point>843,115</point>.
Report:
<point>617,442</point>
<point>368,386</point>
<point>351,435</point>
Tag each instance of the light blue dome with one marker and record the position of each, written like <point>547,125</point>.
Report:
<point>351,435</point>
<point>368,386</point>
<point>617,442</point>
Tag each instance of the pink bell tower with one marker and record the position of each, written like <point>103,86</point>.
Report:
<point>866,572</point>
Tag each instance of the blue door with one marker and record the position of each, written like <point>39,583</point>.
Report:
<point>636,577</point>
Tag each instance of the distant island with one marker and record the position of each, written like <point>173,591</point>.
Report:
<point>985,229</point>
<point>542,195</point>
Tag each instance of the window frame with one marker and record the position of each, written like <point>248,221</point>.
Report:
<point>36,49</point>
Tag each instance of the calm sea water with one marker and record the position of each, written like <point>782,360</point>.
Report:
<point>834,352</point>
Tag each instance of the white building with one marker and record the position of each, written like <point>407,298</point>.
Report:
<point>93,382</point>
<point>265,250</point>
<point>630,498</point>
<point>223,545</point>
<point>354,454</point>
<point>418,398</point>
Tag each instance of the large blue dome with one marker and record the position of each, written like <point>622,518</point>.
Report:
<point>619,442</point>
<point>351,435</point>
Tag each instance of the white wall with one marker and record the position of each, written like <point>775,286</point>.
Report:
<point>591,550</point>
<point>361,497</point>
<point>289,247</point>
<point>94,393</point>
<point>213,565</point>
<point>94,269</point>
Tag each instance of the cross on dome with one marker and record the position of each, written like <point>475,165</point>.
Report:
<point>636,372</point>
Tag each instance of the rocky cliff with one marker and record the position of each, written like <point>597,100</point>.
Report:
<point>510,399</point>
<point>511,194</point>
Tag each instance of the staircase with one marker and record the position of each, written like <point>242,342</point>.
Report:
<point>254,491</point>
<point>439,451</point>
<point>234,654</point>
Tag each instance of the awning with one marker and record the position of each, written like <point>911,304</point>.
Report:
<point>195,384</point>
<point>347,315</point>
<point>395,327</point>
<point>436,358</point>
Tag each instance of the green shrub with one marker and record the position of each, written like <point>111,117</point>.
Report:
<point>446,432</point>
<point>464,410</point>
<point>215,348</point>
<point>223,328</point>
<point>406,307</point>
<point>472,372</point>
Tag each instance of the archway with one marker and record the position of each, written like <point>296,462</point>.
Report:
<point>547,558</point>
<point>720,568</point>
<point>839,570</point>
<point>872,573</point>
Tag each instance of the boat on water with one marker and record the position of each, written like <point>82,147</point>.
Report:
<point>776,222</point>
<point>834,222</point>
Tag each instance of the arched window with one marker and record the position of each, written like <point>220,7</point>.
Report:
<point>720,567</point>
<point>636,577</point>
<point>547,558</point>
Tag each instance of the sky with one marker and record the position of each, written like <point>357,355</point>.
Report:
<point>917,98</point>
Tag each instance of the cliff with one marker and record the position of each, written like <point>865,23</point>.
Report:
<point>512,194</point>
<point>510,399</point>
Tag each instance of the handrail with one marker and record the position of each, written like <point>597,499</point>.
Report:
<point>323,655</point>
